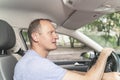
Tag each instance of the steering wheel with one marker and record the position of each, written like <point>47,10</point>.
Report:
<point>112,65</point>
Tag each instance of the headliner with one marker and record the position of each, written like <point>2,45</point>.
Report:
<point>21,12</point>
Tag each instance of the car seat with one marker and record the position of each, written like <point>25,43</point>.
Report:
<point>7,60</point>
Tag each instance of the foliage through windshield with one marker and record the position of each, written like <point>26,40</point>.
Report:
<point>105,30</point>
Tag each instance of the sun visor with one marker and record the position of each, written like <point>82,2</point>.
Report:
<point>81,18</point>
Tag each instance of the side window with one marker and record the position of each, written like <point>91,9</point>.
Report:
<point>68,47</point>
<point>67,41</point>
<point>25,38</point>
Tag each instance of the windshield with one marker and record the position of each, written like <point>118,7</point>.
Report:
<point>105,30</point>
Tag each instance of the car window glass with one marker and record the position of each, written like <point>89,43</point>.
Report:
<point>104,30</point>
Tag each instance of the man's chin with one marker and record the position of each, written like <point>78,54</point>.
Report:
<point>53,48</point>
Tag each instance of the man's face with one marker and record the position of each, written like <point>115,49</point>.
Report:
<point>48,36</point>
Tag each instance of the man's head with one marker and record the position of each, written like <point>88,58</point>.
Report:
<point>42,34</point>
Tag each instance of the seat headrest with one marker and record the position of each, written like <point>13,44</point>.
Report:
<point>7,36</point>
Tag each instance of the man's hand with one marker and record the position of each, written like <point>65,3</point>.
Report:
<point>111,76</point>
<point>107,51</point>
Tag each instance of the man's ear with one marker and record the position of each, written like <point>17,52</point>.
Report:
<point>35,36</point>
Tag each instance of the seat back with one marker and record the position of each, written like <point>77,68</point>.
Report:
<point>7,60</point>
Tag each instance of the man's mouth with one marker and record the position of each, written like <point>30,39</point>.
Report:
<point>54,42</point>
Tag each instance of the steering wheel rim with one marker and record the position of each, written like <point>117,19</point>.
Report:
<point>112,64</point>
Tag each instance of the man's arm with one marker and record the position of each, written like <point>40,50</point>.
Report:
<point>111,76</point>
<point>97,70</point>
<point>106,76</point>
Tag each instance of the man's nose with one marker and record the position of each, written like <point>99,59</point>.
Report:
<point>56,36</point>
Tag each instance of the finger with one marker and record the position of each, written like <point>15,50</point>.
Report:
<point>119,74</point>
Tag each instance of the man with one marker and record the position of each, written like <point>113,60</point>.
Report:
<point>35,66</point>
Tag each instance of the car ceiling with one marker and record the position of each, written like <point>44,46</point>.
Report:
<point>71,14</point>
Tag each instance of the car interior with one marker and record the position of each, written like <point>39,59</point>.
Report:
<point>68,16</point>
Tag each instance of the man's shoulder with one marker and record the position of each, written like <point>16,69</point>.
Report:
<point>32,58</point>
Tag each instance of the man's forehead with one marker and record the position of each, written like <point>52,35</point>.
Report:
<point>47,22</point>
<point>54,25</point>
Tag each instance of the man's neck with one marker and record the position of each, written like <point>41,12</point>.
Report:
<point>42,52</point>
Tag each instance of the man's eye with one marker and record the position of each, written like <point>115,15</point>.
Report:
<point>50,32</point>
